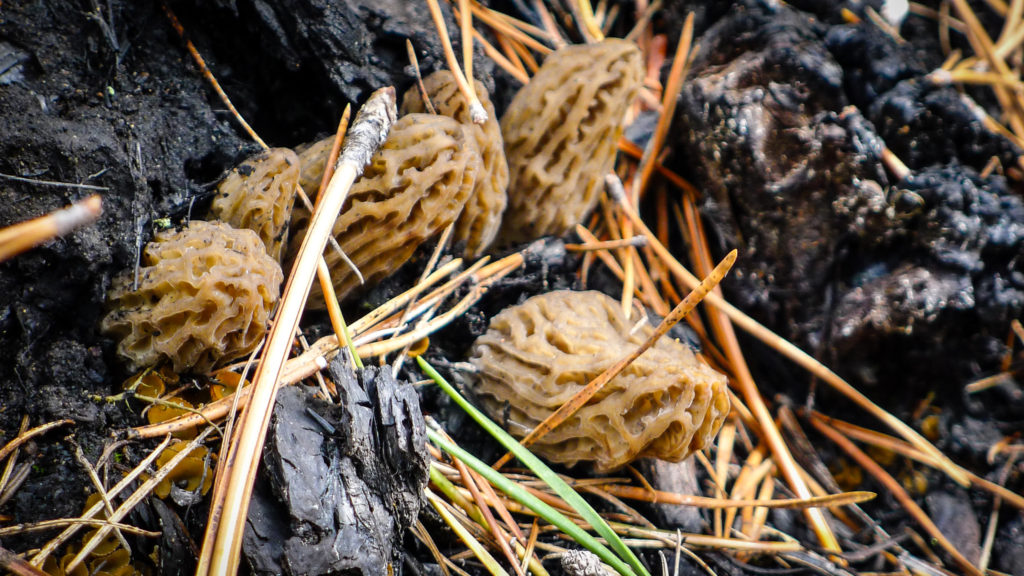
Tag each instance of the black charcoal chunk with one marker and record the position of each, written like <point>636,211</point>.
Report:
<point>926,124</point>
<point>873,63</point>
<point>342,482</point>
<point>786,168</point>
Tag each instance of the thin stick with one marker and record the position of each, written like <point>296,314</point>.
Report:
<point>39,182</point>
<point>222,547</point>
<point>668,107</point>
<point>607,244</point>
<point>62,522</point>
<point>894,488</point>
<point>210,77</point>
<point>25,437</point>
<point>100,490</point>
<point>9,467</point>
<point>467,538</point>
<point>419,77</point>
<point>466,31</point>
<point>70,531</point>
<point>15,565</point>
<point>18,238</point>
<point>660,497</point>
<point>476,109</point>
<point>136,497</point>
<point>595,385</point>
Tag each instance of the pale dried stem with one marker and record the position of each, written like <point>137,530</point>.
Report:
<point>1011,101</point>
<point>723,457</point>
<point>419,77</point>
<point>70,531</point>
<point>476,109</point>
<point>98,484</point>
<point>549,24</point>
<point>439,249</point>
<point>141,493</point>
<point>62,522</point>
<point>222,546</point>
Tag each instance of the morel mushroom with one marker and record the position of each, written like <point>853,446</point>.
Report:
<point>413,188</point>
<point>204,294</point>
<point>481,219</point>
<point>312,162</point>
<point>535,356</point>
<point>560,136</point>
<point>258,194</point>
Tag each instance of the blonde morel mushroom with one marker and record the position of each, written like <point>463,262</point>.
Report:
<point>258,194</point>
<point>536,356</point>
<point>312,163</point>
<point>204,294</point>
<point>414,187</point>
<point>560,136</point>
<point>481,219</point>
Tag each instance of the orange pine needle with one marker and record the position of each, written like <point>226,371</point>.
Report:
<point>668,107</point>
<point>894,488</point>
<point>659,497</point>
<point>210,77</point>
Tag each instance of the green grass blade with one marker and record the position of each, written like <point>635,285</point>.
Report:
<point>541,508</point>
<point>542,471</point>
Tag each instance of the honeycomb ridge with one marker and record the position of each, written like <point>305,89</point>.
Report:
<point>536,356</point>
<point>204,294</point>
<point>560,133</point>
<point>481,219</point>
<point>258,195</point>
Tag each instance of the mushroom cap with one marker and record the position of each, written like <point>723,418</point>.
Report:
<point>258,194</point>
<point>204,294</point>
<point>412,189</point>
<point>479,222</point>
<point>536,356</point>
<point>560,133</point>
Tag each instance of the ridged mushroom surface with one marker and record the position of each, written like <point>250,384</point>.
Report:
<point>560,134</point>
<point>414,187</point>
<point>536,356</point>
<point>204,294</point>
<point>258,194</point>
<point>480,220</point>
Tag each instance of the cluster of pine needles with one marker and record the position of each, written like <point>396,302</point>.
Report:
<point>515,520</point>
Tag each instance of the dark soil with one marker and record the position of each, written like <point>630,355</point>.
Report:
<point>904,287</point>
